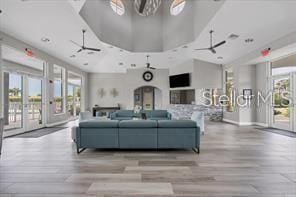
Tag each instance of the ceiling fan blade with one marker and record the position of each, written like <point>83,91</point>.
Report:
<point>213,50</point>
<point>91,49</point>
<point>79,50</point>
<point>75,43</point>
<point>152,68</point>
<point>219,44</point>
<point>202,49</point>
<point>142,6</point>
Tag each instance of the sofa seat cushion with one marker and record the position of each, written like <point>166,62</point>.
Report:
<point>138,124</point>
<point>99,124</point>
<point>159,113</point>
<point>176,124</point>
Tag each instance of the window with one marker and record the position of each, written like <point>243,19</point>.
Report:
<point>177,7</point>
<point>59,74</point>
<point>230,90</point>
<point>117,6</point>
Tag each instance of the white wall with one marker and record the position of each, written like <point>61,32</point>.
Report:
<point>125,85</point>
<point>253,77</point>
<point>262,79</point>
<point>51,118</point>
<point>200,72</point>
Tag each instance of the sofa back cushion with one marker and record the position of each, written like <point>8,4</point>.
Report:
<point>99,124</point>
<point>176,124</point>
<point>159,113</point>
<point>138,124</point>
<point>125,113</point>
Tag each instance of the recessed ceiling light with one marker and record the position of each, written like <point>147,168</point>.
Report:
<point>85,64</point>
<point>120,63</point>
<point>72,56</point>
<point>220,58</point>
<point>233,36</point>
<point>249,40</point>
<point>133,65</point>
<point>44,39</point>
<point>90,53</point>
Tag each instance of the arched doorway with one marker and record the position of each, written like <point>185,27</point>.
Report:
<point>147,97</point>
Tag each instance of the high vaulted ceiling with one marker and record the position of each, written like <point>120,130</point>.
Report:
<point>62,21</point>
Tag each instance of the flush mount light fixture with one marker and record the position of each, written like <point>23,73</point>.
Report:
<point>146,7</point>
<point>249,40</point>
<point>117,6</point>
<point>177,6</point>
<point>233,36</point>
<point>72,56</point>
<point>44,39</point>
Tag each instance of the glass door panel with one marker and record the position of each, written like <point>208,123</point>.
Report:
<point>282,107</point>
<point>13,101</point>
<point>34,103</point>
<point>77,100</point>
<point>70,100</point>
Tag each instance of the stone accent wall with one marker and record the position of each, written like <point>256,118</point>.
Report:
<point>185,111</point>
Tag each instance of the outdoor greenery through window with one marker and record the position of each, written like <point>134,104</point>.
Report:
<point>59,74</point>
<point>230,90</point>
<point>74,94</point>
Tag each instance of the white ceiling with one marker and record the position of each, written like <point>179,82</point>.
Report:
<point>29,21</point>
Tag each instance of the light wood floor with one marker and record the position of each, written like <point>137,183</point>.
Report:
<point>234,161</point>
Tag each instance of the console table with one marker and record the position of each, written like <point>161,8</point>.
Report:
<point>104,110</point>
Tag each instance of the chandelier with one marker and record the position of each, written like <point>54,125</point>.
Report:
<point>146,7</point>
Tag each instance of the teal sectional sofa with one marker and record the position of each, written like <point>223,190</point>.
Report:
<point>138,134</point>
<point>150,114</point>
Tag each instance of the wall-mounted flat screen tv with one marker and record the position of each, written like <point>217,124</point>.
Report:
<point>182,80</point>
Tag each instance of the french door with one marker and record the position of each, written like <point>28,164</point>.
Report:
<point>23,103</point>
<point>284,102</point>
<point>73,101</point>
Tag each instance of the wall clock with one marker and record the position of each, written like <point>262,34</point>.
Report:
<point>147,76</point>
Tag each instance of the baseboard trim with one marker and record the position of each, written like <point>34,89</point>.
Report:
<point>56,123</point>
<point>245,123</point>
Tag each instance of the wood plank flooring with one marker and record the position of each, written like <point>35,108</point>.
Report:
<point>234,161</point>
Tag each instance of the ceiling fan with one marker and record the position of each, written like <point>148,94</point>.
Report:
<point>148,65</point>
<point>212,48</point>
<point>83,47</point>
